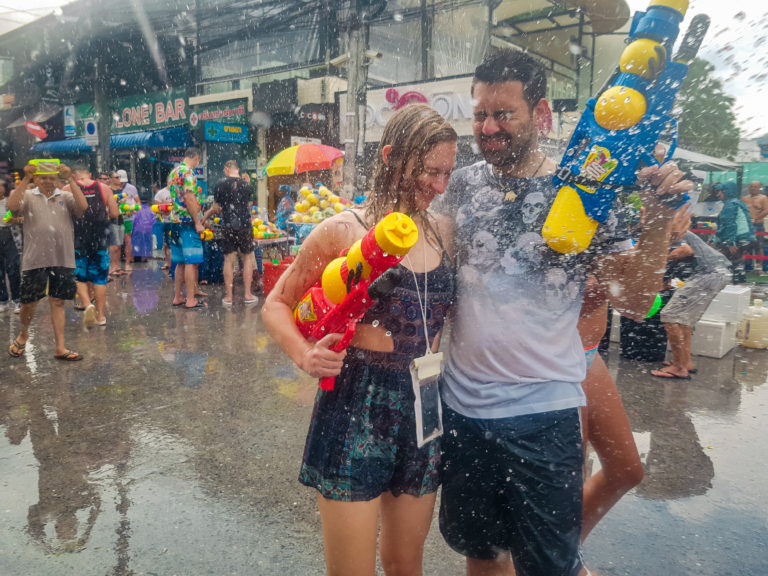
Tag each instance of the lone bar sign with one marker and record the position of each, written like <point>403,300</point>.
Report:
<point>149,111</point>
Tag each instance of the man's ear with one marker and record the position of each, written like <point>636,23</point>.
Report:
<point>542,115</point>
<point>385,152</point>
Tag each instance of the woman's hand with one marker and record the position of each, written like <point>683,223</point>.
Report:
<point>320,361</point>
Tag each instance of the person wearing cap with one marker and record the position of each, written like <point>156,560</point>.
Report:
<point>735,233</point>
<point>119,184</point>
<point>48,260</point>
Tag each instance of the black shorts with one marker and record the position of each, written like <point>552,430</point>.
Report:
<point>514,484</point>
<point>59,281</point>
<point>236,240</point>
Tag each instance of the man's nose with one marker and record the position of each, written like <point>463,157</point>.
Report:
<point>490,125</point>
<point>440,183</point>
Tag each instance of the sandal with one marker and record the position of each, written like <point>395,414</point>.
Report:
<point>198,305</point>
<point>15,349</point>
<point>691,371</point>
<point>69,356</point>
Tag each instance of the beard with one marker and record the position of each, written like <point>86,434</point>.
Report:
<point>506,150</point>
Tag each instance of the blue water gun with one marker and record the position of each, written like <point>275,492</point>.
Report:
<point>618,130</point>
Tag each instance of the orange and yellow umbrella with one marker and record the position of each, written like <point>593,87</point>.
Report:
<point>302,158</point>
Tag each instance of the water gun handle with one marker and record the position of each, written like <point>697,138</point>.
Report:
<point>8,216</point>
<point>328,382</point>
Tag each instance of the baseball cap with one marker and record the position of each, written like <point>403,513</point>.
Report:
<point>122,175</point>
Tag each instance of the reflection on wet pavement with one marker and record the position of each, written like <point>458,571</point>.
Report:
<point>174,447</point>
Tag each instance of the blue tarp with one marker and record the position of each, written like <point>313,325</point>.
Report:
<point>177,137</point>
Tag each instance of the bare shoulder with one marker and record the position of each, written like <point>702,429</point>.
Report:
<point>446,228</point>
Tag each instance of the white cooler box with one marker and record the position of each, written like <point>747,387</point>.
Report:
<point>713,339</point>
<point>729,305</point>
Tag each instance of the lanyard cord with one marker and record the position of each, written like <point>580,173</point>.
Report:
<point>418,297</point>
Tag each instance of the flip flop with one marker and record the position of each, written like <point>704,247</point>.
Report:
<point>691,371</point>
<point>68,356</point>
<point>198,305</point>
<point>668,375</point>
<point>179,304</point>
<point>19,349</point>
<point>251,301</point>
<point>225,303</point>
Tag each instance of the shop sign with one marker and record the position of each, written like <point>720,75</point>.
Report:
<point>451,98</point>
<point>235,111</point>
<point>149,111</point>
<point>314,115</point>
<point>220,132</point>
<point>70,124</point>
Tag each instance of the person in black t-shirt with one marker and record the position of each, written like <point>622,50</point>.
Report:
<point>232,199</point>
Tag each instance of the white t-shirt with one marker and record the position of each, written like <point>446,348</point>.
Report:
<point>514,345</point>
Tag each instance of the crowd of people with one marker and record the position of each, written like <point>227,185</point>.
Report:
<point>522,387</point>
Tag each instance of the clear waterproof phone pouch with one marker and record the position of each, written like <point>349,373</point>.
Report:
<point>425,377</point>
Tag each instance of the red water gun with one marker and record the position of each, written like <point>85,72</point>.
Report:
<point>352,283</point>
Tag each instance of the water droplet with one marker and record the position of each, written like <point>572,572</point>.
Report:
<point>389,334</point>
<point>375,323</point>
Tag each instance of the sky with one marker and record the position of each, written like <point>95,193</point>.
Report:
<point>736,44</point>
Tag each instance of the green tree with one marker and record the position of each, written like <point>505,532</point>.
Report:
<point>707,123</point>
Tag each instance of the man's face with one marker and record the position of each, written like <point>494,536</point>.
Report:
<point>504,127</point>
<point>114,182</point>
<point>754,188</point>
<point>231,172</point>
<point>46,182</point>
<point>192,162</point>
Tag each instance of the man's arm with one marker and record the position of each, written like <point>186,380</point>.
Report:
<point>113,211</point>
<point>634,277</point>
<point>761,209</point>
<point>81,204</point>
<point>17,194</point>
<point>215,209</point>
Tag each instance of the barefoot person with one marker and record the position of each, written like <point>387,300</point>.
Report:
<point>361,453</point>
<point>48,260</point>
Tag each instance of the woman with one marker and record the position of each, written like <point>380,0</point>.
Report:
<point>361,453</point>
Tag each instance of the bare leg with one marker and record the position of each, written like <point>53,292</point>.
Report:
<point>114,259</point>
<point>178,285</point>
<point>128,242</point>
<point>405,524</point>
<point>349,534</point>
<point>100,295</point>
<point>607,428</point>
<point>167,253</point>
<point>681,356</point>
<point>25,318</point>
<point>228,272</point>
<point>249,263</point>
<point>190,279</point>
<point>83,294</point>
<point>501,566</point>
<point>58,319</point>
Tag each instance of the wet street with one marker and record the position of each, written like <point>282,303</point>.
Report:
<point>174,446</point>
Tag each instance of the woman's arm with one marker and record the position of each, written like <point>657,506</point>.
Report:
<point>323,245</point>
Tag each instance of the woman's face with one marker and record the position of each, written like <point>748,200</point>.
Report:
<point>438,164</point>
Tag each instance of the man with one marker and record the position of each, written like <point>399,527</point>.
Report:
<point>186,244</point>
<point>232,199</point>
<point>163,198</point>
<point>119,184</point>
<point>48,261</point>
<point>91,245</point>
<point>735,234</point>
<point>758,210</point>
<point>704,272</point>
<point>512,460</point>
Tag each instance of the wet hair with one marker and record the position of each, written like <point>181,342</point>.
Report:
<point>412,132</point>
<point>192,152</point>
<point>81,167</point>
<point>231,165</point>
<point>513,66</point>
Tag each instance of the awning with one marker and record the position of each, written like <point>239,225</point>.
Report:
<point>44,114</point>
<point>71,146</point>
<point>695,160</point>
<point>169,138</point>
<point>177,137</point>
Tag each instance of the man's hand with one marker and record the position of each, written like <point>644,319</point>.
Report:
<point>64,172</point>
<point>29,171</point>
<point>660,185</point>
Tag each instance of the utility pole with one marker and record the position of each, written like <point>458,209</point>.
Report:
<point>356,79</point>
<point>103,118</point>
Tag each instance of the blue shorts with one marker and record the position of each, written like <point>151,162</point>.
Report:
<point>92,268</point>
<point>514,484</point>
<point>362,437</point>
<point>186,245</point>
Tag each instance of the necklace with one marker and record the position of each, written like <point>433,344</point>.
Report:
<point>511,186</point>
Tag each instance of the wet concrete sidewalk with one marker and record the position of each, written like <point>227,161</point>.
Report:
<point>173,449</point>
